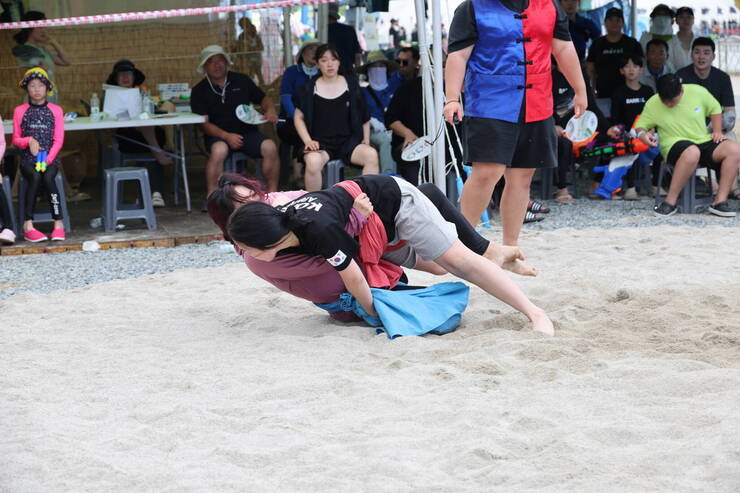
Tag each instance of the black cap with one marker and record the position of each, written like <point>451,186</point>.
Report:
<point>125,66</point>
<point>662,9</point>
<point>614,12</point>
<point>34,15</point>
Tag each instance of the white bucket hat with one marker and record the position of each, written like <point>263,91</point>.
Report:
<point>210,51</point>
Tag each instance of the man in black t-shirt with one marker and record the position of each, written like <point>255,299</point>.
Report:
<point>714,80</point>
<point>344,39</point>
<point>602,64</point>
<point>217,96</point>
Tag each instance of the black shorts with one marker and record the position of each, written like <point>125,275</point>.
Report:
<point>517,145</point>
<point>251,146</point>
<point>705,157</point>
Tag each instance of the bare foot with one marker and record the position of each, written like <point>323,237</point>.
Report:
<point>499,254</point>
<point>519,267</point>
<point>163,159</point>
<point>542,323</point>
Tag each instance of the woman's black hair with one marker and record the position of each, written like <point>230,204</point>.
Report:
<point>22,36</point>
<point>259,225</point>
<point>322,49</point>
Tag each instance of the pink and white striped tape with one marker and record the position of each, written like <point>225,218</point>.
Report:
<point>157,14</point>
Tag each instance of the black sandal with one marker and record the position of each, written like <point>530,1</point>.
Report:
<point>538,207</point>
<point>531,217</point>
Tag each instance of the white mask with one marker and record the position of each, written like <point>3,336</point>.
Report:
<point>661,24</point>
<point>378,77</point>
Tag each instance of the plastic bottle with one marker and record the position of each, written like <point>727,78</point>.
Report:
<point>147,105</point>
<point>95,107</point>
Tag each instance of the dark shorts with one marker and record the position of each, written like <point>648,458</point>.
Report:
<point>705,157</point>
<point>517,145</point>
<point>251,147</point>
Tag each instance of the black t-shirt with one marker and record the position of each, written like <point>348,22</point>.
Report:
<point>344,39</point>
<point>464,31</point>
<point>326,213</point>
<point>605,56</point>
<point>628,103</point>
<point>407,107</point>
<point>207,100</point>
<point>718,84</point>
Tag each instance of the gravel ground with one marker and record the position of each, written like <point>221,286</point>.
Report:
<point>76,269</point>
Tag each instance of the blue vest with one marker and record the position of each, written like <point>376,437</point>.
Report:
<point>511,62</point>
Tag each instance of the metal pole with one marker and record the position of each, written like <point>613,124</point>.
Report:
<point>322,24</point>
<point>426,72</point>
<point>633,18</point>
<point>287,38</point>
<point>438,162</point>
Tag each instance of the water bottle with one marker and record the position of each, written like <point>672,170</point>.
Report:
<point>95,107</point>
<point>147,105</point>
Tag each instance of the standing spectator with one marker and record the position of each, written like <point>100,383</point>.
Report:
<point>680,45</point>
<point>602,65</point>
<point>394,33</point>
<point>627,103</point>
<point>712,79</point>
<point>217,96</point>
<point>38,127</point>
<point>294,78</point>
<point>344,39</point>
<point>125,74</point>
<point>378,94</point>
<point>661,25</point>
<point>656,56</point>
<point>250,42</point>
<point>12,11</point>
<point>332,119</point>
<point>32,49</point>
<point>685,142</point>
<point>582,30</point>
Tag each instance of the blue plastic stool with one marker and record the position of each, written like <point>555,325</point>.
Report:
<point>7,193</point>
<point>113,207</point>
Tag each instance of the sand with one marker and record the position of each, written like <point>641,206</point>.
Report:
<point>212,380</point>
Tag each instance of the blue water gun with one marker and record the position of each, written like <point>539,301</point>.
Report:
<point>41,161</point>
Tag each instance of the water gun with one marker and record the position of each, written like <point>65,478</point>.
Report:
<point>613,174</point>
<point>41,161</point>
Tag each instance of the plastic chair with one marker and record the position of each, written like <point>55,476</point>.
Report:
<point>333,173</point>
<point>113,207</point>
<point>689,202</point>
<point>43,217</point>
<point>233,164</point>
<point>7,193</point>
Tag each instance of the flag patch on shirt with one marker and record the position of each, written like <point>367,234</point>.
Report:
<point>337,259</point>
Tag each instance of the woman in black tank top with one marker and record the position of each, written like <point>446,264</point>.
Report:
<point>332,120</point>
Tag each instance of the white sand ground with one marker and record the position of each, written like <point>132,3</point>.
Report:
<point>211,380</point>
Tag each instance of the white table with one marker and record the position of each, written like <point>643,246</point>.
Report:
<point>176,119</point>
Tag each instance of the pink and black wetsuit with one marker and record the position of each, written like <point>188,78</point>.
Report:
<point>45,123</point>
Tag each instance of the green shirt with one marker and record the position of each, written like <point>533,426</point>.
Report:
<point>685,121</point>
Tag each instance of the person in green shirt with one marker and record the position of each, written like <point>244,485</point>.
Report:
<point>678,112</point>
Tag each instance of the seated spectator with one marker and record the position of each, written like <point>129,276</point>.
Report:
<point>7,236</point>
<point>407,59</point>
<point>602,64</point>
<point>378,95</point>
<point>656,55</point>
<point>712,79</point>
<point>680,45</point>
<point>294,78</point>
<point>562,96</point>
<point>217,96</point>
<point>125,74</point>
<point>627,103</point>
<point>332,119</point>
<point>582,29</point>
<point>685,142</point>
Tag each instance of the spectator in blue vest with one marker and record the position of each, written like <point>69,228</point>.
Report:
<point>294,78</point>
<point>378,94</point>
<point>583,31</point>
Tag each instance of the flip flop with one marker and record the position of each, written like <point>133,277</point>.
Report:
<point>531,217</point>
<point>538,207</point>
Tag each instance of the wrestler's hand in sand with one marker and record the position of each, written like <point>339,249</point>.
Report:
<point>363,205</point>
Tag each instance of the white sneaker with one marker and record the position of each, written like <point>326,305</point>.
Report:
<point>630,194</point>
<point>7,237</point>
<point>157,200</point>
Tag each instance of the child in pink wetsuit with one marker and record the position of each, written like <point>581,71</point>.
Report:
<point>38,127</point>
